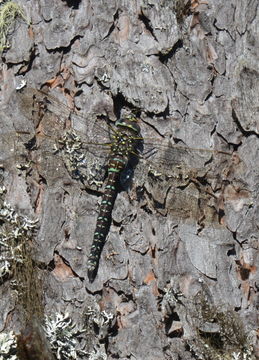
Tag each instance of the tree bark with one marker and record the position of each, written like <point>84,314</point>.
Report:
<point>177,277</point>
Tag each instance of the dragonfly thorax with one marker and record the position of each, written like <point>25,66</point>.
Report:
<point>127,137</point>
<point>123,144</point>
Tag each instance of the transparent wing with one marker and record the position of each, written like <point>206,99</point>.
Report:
<point>51,118</point>
<point>36,105</point>
<point>178,178</point>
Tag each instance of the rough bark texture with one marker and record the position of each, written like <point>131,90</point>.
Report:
<point>178,274</point>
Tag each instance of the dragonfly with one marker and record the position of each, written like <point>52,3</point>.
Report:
<point>131,151</point>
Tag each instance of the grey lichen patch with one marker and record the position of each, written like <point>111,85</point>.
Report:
<point>101,319</point>
<point>15,231</point>
<point>98,353</point>
<point>64,336</point>
<point>9,11</point>
<point>71,146</point>
<point>8,346</point>
<point>99,325</point>
<point>67,339</point>
<point>16,239</point>
<point>17,236</point>
<point>79,165</point>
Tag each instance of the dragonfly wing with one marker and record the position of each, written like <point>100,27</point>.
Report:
<point>38,105</point>
<point>179,166</point>
<point>182,181</point>
<point>52,120</point>
<point>167,158</point>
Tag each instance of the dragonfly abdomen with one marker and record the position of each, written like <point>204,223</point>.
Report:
<point>116,166</point>
<point>124,147</point>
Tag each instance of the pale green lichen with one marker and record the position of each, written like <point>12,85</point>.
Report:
<point>15,231</point>
<point>64,336</point>
<point>9,11</point>
<point>101,319</point>
<point>71,146</point>
<point>88,171</point>
<point>98,353</point>
<point>8,346</point>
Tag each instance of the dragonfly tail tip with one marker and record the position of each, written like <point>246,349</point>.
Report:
<point>91,275</point>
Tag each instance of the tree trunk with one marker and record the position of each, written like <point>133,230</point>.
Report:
<point>177,278</point>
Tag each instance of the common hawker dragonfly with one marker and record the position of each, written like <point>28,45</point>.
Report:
<point>176,180</point>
